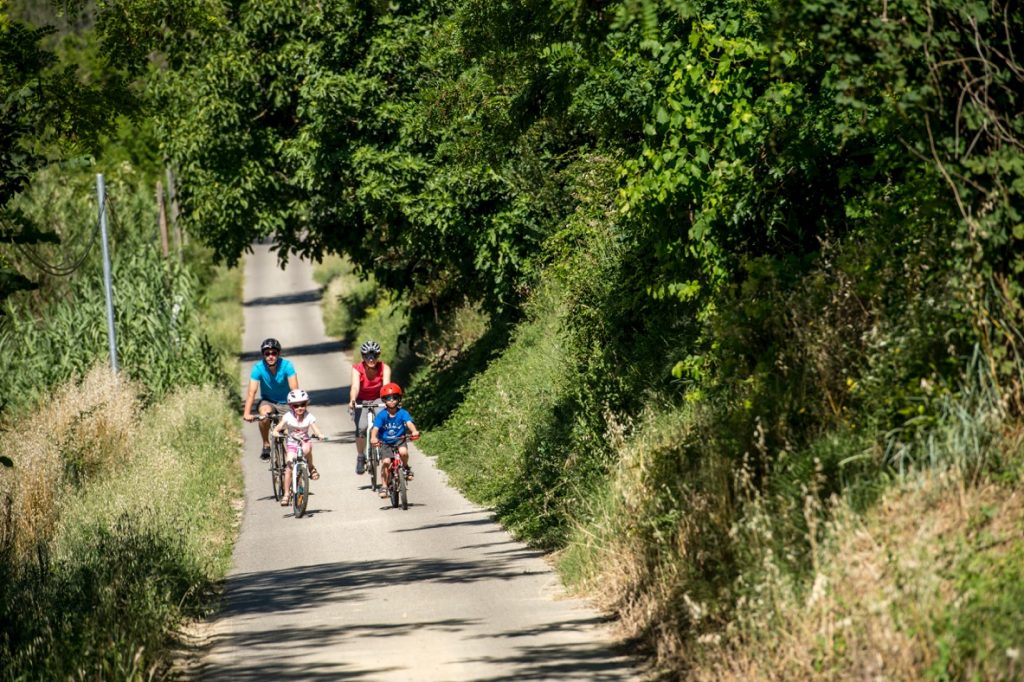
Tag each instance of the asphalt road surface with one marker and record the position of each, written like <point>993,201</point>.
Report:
<point>358,590</point>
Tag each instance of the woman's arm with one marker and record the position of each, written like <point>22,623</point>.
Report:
<point>386,374</point>
<point>354,390</point>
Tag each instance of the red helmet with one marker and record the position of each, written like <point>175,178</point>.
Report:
<point>390,389</point>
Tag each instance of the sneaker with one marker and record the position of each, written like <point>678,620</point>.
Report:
<point>265,453</point>
<point>360,464</point>
<point>408,472</point>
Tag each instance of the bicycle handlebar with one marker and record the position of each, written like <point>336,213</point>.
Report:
<point>402,439</point>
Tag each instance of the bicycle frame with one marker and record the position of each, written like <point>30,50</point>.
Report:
<point>278,455</point>
<point>371,407</point>
<point>398,488</point>
<point>300,484</point>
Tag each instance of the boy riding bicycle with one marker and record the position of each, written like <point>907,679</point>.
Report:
<point>300,425</point>
<point>390,426</point>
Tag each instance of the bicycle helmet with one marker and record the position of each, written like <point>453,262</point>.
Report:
<point>370,347</point>
<point>271,344</point>
<point>390,389</point>
<point>297,396</point>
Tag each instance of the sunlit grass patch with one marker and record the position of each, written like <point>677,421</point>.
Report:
<point>346,297</point>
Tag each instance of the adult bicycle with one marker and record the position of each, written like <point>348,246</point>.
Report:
<point>278,455</point>
<point>371,408</point>
<point>398,482</point>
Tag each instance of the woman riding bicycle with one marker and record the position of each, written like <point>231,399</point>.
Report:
<point>367,378</point>
<point>300,425</point>
<point>390,427</point>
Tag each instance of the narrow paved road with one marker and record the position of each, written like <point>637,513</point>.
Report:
<point>357,590</point>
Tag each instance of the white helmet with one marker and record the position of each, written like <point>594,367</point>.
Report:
<point>297,396</point>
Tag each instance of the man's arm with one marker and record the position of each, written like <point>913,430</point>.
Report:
<point>249,398</point>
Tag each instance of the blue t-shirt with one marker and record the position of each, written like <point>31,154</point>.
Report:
<point>273,388</point>
<point>391,429</point>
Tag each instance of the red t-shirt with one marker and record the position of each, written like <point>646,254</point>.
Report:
<point>369,388</point>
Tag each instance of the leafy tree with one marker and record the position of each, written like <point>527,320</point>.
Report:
<point>46,113</point>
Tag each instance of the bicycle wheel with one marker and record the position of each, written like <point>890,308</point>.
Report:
<point>301,496</point>
<point>402,488</point>
<point>277,468</point>
<point>393,487</point>
<point>373,461</point>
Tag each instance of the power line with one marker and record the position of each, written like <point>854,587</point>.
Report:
<point>64,269</point>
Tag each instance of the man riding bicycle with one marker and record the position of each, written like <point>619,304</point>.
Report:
<point>273,377</point>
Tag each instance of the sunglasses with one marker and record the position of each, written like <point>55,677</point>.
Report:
<point>299,404</point>
<point>392,398</point>
<point>268,353</point>
<point>371,356</point>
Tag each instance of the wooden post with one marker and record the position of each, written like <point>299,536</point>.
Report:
<point>162,220</point>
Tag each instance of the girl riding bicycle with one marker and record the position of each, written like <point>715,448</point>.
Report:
<point>390,426</point>
<point>300,425</point>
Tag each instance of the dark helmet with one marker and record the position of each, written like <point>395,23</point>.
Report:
<point>370,347</point>
<point>270,344</point>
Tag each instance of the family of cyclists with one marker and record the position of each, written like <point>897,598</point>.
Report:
<point>274,379</point>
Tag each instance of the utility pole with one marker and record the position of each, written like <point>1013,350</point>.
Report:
<point>162,219</point>
<point>108,288</point>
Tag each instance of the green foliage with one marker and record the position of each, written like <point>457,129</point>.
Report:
<point>48,111</point>
<point>751,245</point>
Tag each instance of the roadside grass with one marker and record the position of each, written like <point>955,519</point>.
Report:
<point>118,527</point>
<point>346,297</point>
<point>493,445</point>
<point>723,579</point>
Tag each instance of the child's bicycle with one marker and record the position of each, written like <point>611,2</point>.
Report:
<point>300,481</point>
<point>371,407</point>
<point>277,456</point>
<point>398,484</point>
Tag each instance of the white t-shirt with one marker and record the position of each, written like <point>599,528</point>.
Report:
<point>299,430</point>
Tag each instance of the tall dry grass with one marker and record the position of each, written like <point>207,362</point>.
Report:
<point>888,598</point>
<point>723,580</point>
<point>62,445</point>
<point>119,524</point>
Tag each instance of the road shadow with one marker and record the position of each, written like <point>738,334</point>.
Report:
<point>323,397</point>
<point>308,296</point>
<point>320,348</point>
<point>290,645</point>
